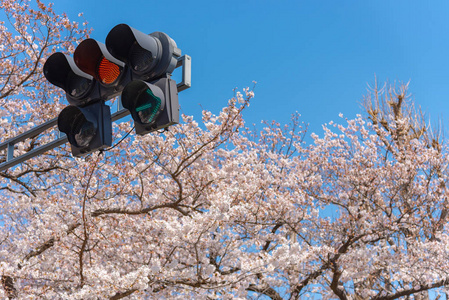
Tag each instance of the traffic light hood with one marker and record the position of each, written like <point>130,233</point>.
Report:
<point>149,56</point>
<point>93,58</point>
<point>61,70</point>
<point>144,100</point>
<point>79,125</point>
<point>87,128</point>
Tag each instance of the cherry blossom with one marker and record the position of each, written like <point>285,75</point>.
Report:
<point>211,209</point>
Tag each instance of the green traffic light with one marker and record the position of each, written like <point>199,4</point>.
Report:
<point>148,107</point>
<point>143,107</point>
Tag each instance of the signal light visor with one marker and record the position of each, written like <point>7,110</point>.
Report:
<point>79,130</point>
<point>61,70</point>
<point>93,58</point>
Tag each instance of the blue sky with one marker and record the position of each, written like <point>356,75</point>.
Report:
<point>314,57</point>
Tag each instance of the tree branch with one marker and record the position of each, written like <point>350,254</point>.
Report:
<point>412,291</point>
<point>265,290</point>
<point>8,286</point>
<point>122,295</point>
<point>47,245</point>
<point>334,285</point>
<point>146,210</point>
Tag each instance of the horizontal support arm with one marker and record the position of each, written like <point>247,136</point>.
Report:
<point>184,62</point>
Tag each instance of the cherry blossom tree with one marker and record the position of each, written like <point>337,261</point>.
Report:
<point>211,209</point>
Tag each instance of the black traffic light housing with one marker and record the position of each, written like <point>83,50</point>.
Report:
<point>88,128</point>
<point>61,70</point>
<point>151,96</point>
<point>148,56</point>
<point>87,121</point>
<point>153,106</point>
<point>93,58</point>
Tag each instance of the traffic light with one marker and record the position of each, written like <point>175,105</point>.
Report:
<point>132,64</point>
<point>61,70</point>
<point>150,96</point>
<point>87,121</point>
<point>88,128</point>
<point>93,58</point>
<point>153,105</point>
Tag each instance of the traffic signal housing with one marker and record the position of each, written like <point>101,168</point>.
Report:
<point>87,121</point>
<point>152,105</point>
<point>93,58</point>
<point>61,70</point>
<point>88,128</point>
<point>148,56</point>
<point>151,96</point>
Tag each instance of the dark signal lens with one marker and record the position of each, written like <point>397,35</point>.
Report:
<point>77,86</point>
<point>82,130</point>
<point>148,106</point>
<point>108,72</point>
<point>141,60</point>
